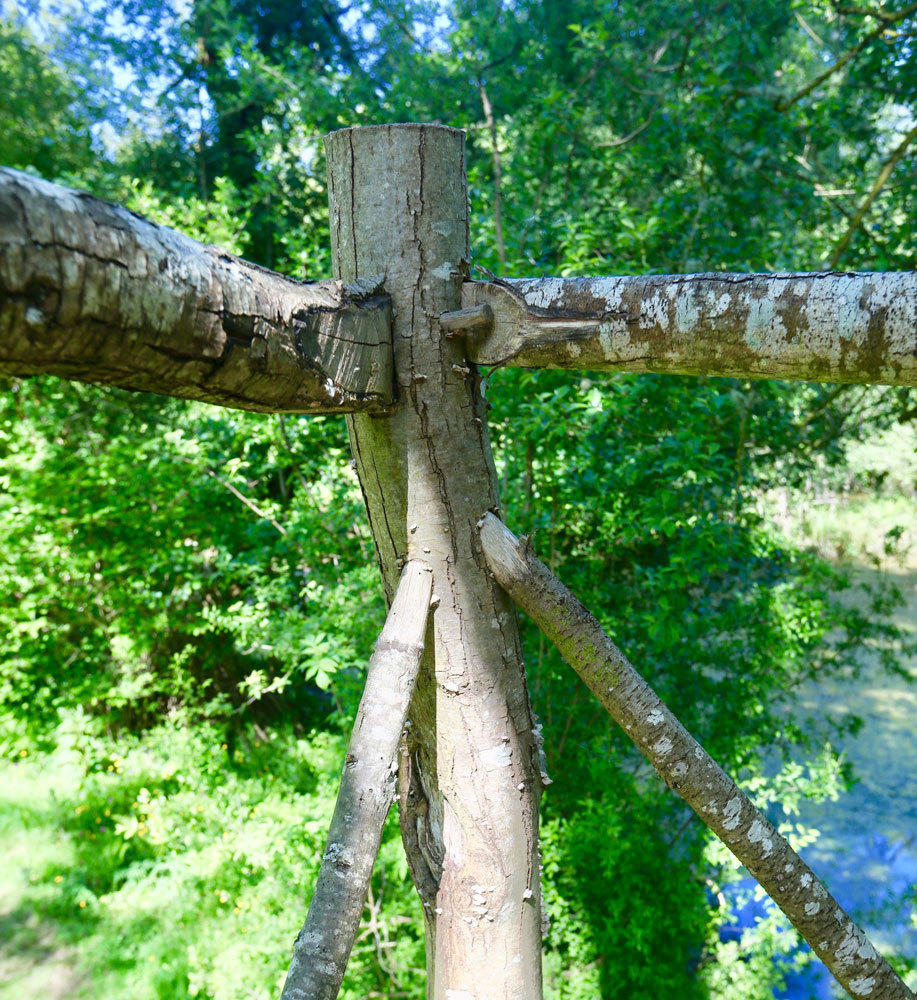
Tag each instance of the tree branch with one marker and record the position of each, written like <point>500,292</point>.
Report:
<point>784,103</point>
<point>248,502</point>
<point>367,788</point>
<point>876,12</point>
<point>687,768</point>
<point>857,219</point>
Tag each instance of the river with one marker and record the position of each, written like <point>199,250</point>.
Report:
<point>867,850</point>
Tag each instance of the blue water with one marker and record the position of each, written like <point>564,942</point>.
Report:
<point>867,849</point>
<point>875,880</point>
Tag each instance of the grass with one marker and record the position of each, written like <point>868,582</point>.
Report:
<point>875,531</point>
<point>133,870</point>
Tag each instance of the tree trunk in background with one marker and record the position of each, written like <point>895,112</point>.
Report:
<point>470,777</point>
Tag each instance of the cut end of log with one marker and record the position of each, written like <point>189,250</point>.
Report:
<point>503,551</point>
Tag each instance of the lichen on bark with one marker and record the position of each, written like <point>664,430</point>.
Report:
<point>823,326</point>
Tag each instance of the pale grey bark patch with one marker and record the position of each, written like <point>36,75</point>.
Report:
<point>398,202</point>
<point>89,291</point>
<point>687,768</point>
<point>825,326</point>
<point>365,796</point>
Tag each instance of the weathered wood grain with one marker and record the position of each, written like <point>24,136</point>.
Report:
<point>89,291</point>
<point>824,326</point>
<point>470,779</point>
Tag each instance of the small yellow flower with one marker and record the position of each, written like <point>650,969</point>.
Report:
<point>23,753</point>
<point>58,878</point>
<point>82,904</point>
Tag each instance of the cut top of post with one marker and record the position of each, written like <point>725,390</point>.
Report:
<point>399,209</point>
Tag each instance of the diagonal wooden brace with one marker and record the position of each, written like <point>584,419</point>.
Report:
<point>365,796</point>
<point>688,769</point>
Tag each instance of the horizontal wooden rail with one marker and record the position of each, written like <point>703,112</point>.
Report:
<point>92,292</point>
<point>824,326</point>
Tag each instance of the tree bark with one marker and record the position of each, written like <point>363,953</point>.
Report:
<point>92,292</point>
<point>687,768</point>
<point>821,327</point>
<point>470,777</point>
<point>365,796</point>
<point>498,175</point>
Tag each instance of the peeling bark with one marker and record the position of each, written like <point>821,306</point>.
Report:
<point>365,796</point>
<point>688,770</point>
<point>825,326</point>
<point>89,291</point>
<point>470,779</point>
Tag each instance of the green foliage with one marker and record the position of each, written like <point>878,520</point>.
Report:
<point>163,871</point>
<point>41,126</point>
<point>643,498</point>
<point>189,595</point>
<point>163,553</point>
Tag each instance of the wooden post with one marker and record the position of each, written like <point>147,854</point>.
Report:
<point>470,778</point>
